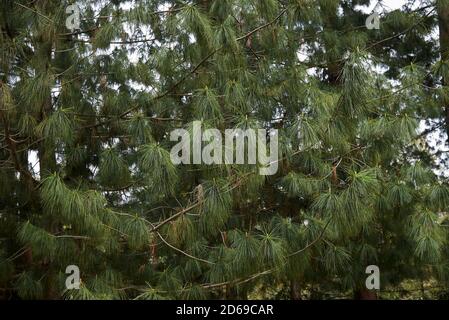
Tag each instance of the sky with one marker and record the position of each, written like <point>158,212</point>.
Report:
<point>388,4</point>
<point>393,4</point>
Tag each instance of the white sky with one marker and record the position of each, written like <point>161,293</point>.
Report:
<point>393,4</point>
<point>388,4</point>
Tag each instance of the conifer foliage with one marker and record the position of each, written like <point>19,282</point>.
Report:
<point>86,177</point>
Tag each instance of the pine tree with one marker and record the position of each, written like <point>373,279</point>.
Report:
<point>357,183</point>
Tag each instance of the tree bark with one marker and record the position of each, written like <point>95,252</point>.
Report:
<point>365,294</point>
<point>46,152</point>
<point>443,25</point>
<point>295,290</point>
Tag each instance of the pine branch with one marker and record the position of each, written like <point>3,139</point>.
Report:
<point>179,250</point>
<point>35,11</point>
<point>192,71</point>
<point>313,242</point>
<point>402,32</point>
<point>158,226</point>
<point>13,151</point>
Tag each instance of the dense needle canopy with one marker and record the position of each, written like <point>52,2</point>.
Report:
<point>86,177</point>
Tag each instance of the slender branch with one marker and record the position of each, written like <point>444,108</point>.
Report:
<point>313,242</point>
<point>237,281</point>
<point>35,11</point>
<point>68,236</point>
<point>181,251</point>
<point>263,26</point>
<point>154,228</point>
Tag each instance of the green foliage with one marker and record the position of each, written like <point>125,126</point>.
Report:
<point>113,170</point>
<point>28,287</point>
<point>86,176</point>
<point>42,243</point>
<point>158,169</point>
<point>58,127</point>
<point>137,233</point>
<point>215,209</point>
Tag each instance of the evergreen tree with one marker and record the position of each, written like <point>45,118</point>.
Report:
<point>358,183</point>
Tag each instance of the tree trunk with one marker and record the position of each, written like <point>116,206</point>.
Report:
<point>295,290</point>
<point>234,293</point>
<point>443,24</point>
<point>46,154</point>
<point>365,294</point>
